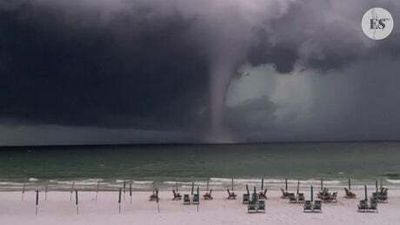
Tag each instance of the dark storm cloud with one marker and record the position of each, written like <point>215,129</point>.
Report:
<point>136,70</point>
<point>160,64</point>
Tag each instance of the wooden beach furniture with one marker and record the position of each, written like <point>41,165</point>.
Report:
<point>292,198</point>
<point>363,206</point>
<point>373,207</point>
<point>300,198</point>
<point>256,205</point>
<point>317,206</point>
<point>154,196</point>
<point>186,199</point>
<point>196,199</point>
<point>177,196</point>
<point>381,195</point>
<point>263,192</point>
<point>263,195</point>
<point>246,196</point>
<point>349,194</point>
<point>307,207</point>
<point>231,195</point>
<point>207,195</point>
<point>261,206</point>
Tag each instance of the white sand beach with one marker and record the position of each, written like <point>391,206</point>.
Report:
<point>59,209</point>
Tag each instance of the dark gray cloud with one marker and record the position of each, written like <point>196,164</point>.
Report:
<point>167,65</point>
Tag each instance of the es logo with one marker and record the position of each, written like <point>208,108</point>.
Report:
<point>377,23</point>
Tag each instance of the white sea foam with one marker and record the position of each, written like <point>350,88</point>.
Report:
<point>392,181</point>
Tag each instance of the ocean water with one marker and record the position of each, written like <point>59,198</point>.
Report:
<point>167,165</point>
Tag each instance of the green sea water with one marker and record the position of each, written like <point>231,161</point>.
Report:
<point>168,163</point>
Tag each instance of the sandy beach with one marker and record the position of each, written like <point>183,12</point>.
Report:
<point>59,209</point>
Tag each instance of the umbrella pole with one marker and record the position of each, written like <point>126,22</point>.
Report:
<point>232,183</point>
<point>322,183</point>
<point>76,202</point>
<point>349,183</point>
<point>298,186</point>
<point>119,201</point>
<point>262,184</point>
<point>130,191</point>
<point>365,192</point>
<point>312,193</point>
<point>124,189</point>
<point>37,202</point>
<point>97,189</point>
<point>23,191</point>
<point>286,186</point>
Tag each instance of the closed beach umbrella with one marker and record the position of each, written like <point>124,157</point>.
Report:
<point>322,183</point>
<point>232,183</point>
<point>76,197</point>
<point>176,186</point>
<point>76,202</point>
<point>192,188</point>
<point>262,183</point>
<point>365,191</point>
<point>130,191</point>
<point>247,189</point>
<point>119,200</point>
<point>312,193</point>
<point>376,185</point>
<point>37,197</point>
<point>208,181</point>
<point>37,201</point>
<point>349,183</point>
<point>285,184</point>
<point>298,186</point>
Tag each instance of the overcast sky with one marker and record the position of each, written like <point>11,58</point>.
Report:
<point>161,71</point>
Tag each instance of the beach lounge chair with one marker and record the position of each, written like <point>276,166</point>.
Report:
<point>196,199</point>
<point>284,193</point>
<point>231,195</point>
<point>349,194</point>
<point>208,196</point>
<point>253,204</point>
<point>307,206</point>
<point>186,199</point>
<point>246,199</point>
<point>373,207</point>
<point>261,206</point>
<point>300,198</point>
<point>292,198</point>
<point>252,207</point>
<point>363,206</point>
<point>263,195</point>
<point>317,207</point>
<point>154,196</point>
<point>177,196</point>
